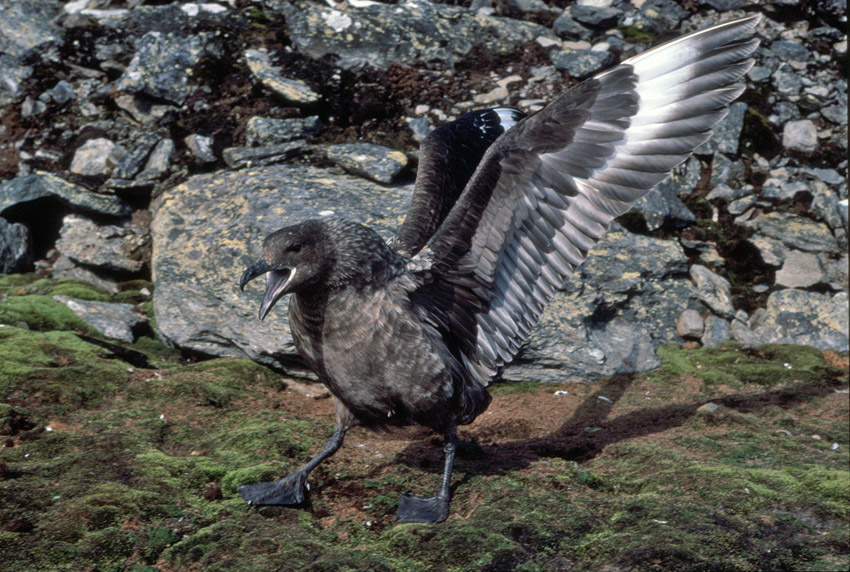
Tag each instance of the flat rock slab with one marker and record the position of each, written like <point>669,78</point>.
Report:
<point>112,320</point>
<point>408,34</point>
<point>40,185</point>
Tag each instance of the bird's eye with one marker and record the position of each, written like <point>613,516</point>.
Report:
<point>293,248</point>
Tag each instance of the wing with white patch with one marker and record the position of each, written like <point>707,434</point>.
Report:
<point>546,191</point>
<point>448,157</point>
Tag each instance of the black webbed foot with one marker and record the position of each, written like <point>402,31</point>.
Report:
<point>418,509</point>
<point>290,490</point>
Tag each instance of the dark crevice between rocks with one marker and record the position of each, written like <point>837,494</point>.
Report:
<point>132,357</point>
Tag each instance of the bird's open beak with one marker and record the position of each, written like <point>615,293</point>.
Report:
<point>277,279</point>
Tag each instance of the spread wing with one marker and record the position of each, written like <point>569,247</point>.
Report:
<point>546,191</point>
<point>448,157</point>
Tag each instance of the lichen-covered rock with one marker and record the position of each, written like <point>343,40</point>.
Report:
<point>26,26</point>
<point>371,161</point>
<point>41,185</point>
<point>713,290</point>
<point>270,131</point>
<point>801,317</point>
<point>293,91</point>
<point>92,158</point>
<point>795,231</point>
<point>580,64</point>
<point>408,34</point>
<point>117,248</point>
<point>163,65</point>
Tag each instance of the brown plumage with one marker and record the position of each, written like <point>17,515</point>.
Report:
<point>413,332</point>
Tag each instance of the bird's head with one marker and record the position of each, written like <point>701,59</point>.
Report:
<point>295,259</point>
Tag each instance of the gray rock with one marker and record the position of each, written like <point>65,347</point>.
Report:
<point>787,83</point>
<point>62,92</point>
<point>136,156</point>
<point>740,206</point>
<point>726,171</point>
<point>785,51</point>
<point>112,320</point>
<point>690,324</point>
<point>269,131</point>
<point>159,160</point>
<point>64,267</point>
<point>783,112</point>
<point>510,7</point>
<point>772,251</point>
<point>566,27</point>
<point>92,158</point>
<point>836,113</point>
<point>724,5</point>
<point>117,248</point>
<point>712,290</point>
<point>580,64</point>
<point>41,185</point>
<point>421,127</point>
<point>27,26</point>
<point>293,91</point>
<point>12,78</point>
<point>800,136</point>
<point>238,157</point>
<point>371,161</point>
<point>801,270</point>
<point>15,247</point>
<point>660,16</point>
<point>200,147</point>
<point>661,207</point>
<point>595,16</point>
<point>802,317</point>
<point>717,331</point>
<point>162,66</point>
<point>795,231</point>
<point>210,228</point>
<point>380,35</point>
<point>726,133</point>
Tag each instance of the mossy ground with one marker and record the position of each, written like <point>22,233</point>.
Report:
<point>724,459</point>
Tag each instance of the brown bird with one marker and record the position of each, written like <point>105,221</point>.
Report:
<point>412,331</point>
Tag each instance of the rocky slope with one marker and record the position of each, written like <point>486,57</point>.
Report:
<point>143,140</point>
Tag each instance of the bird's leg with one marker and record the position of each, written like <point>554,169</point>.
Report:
<point>292,489</point>
<point>419,509</point>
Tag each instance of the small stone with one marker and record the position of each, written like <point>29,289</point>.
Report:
<point>112,320</point>
<point>109,247</point>
<point>371,161</point>
<point>800,136</point>
<point>200,147</point>
<point>15,247</point>
<point>712,290</point>
<point>717,331</point>
<point>291,90</point>
<point>92,158</point>
<point>62,92</point>
<point>580,64</point>
<point>690,324</point>
<point>495,95</point>
<point>263,131</point>
<point>159,160</point>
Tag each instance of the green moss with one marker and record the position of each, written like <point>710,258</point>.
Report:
<point>636,34</point>
<point>55,369</point>
<point>41,313</point>
<point>730,365</point>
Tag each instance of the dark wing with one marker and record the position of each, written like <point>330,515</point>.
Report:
<point>547,190</point>
<point>447,158</point>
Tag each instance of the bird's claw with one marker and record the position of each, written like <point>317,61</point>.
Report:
<point>288,491</point>
<point>412,508</point>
